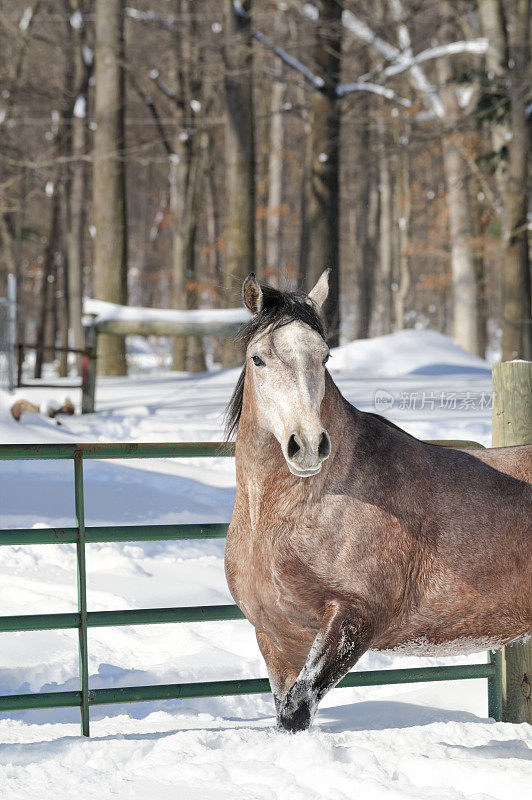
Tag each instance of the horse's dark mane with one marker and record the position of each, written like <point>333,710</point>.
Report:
<point>278,309</point>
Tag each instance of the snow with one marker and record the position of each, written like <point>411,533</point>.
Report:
<point>109,312</point>
<point>407,352</point>
<point>80,107</point>
<point>25,19</point>
<point>88,58</point>
<point>423,741</point>
<point>76,20</point>
<point>205,756</point>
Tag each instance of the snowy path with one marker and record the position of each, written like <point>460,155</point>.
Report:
<point>421,741</point>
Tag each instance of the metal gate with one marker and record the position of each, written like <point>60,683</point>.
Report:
<point>81,534</point>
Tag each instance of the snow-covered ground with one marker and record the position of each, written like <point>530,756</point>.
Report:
<point>421,741</point>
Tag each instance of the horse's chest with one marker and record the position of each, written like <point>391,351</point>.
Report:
<point>271,588</point>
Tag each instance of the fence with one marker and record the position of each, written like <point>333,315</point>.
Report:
<point>80,535</point>
<point>108,319</point>
<point>88,372</point>
<point>8,327</point>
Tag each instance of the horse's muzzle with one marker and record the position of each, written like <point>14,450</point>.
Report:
<point>305,454</point>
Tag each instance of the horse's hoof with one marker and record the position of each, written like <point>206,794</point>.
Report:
<point>294,718</point>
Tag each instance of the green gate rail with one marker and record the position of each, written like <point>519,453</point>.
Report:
<point>80,535</point>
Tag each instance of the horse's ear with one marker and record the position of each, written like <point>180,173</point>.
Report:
<point>252,294</point>
<point>319,293</point>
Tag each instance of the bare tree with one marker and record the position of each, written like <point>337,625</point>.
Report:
<point>465,294</point>
<point>46,320</point>
<point>186,177</point>
<point>403,214</point>
<point>418,217</point>
<point>80,58</point>
<point>275,167</point>
<point>367,200</point>
<point>384,293</point>
<point>239,156</point>
<point>506,24</point>
<point>323,206</point>
<point>444,107</point>
<point>109,198</point>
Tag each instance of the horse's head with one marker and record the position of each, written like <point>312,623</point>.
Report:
<point>285,363</point>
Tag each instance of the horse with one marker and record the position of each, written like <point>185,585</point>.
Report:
<point>348,534</point>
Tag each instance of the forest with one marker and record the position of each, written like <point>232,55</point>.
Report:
<point>154,154</point>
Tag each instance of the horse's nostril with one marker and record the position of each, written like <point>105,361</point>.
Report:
<point>293,447</point>
<point>324,448</point>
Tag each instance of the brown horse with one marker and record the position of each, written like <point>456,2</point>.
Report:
<point>349,534</point>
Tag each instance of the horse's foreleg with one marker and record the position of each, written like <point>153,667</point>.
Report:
<point>282,675</point>
<point>345,634</point>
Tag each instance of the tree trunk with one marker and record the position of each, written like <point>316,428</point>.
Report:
<point>404,209</point>
<point>214,236</point>
<point>516,278</point>
<point>491,14</point>
<point>323,210</point>
<point>239,159</point>
<point>19,227</point>
<point>366,225</point>
<point>186,177</point>
<point>464,278</point>
<point>465,300</point>
<point>306,189</point>
<point>177,177</point>
<point>108,199</point>
<point>385,234</point>
<point>75,185</point>
<point>195,357</point>
<point>480,270</point>
<point>45,333</point>
<point>506,25</point>
<point>275,166</point>
<point>75,235</point>
<point>63,328</point>
<point>7,258</point>
<point>275,186</point>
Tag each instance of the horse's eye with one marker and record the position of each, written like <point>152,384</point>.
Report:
<point>257,360</point>
<point>327,357</point>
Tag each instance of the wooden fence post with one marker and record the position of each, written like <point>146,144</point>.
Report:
<point>88,371</point>
<point>20,363</point>
<point>512,425</point>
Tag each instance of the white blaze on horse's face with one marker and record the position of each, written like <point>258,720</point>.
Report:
<point>289,383</point>
<point>288,378</point>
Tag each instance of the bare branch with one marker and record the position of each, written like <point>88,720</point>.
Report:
<point>419,79</point>
<point>363,32</point>
<point>153,111</point>
<point>165,89</point>
<point>285,57</point>
<point>475,46</point>
<point>344,89</point>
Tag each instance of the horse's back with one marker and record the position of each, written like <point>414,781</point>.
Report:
<point>514,461</point>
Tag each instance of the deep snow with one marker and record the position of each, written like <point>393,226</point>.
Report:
<point>422,741</point>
